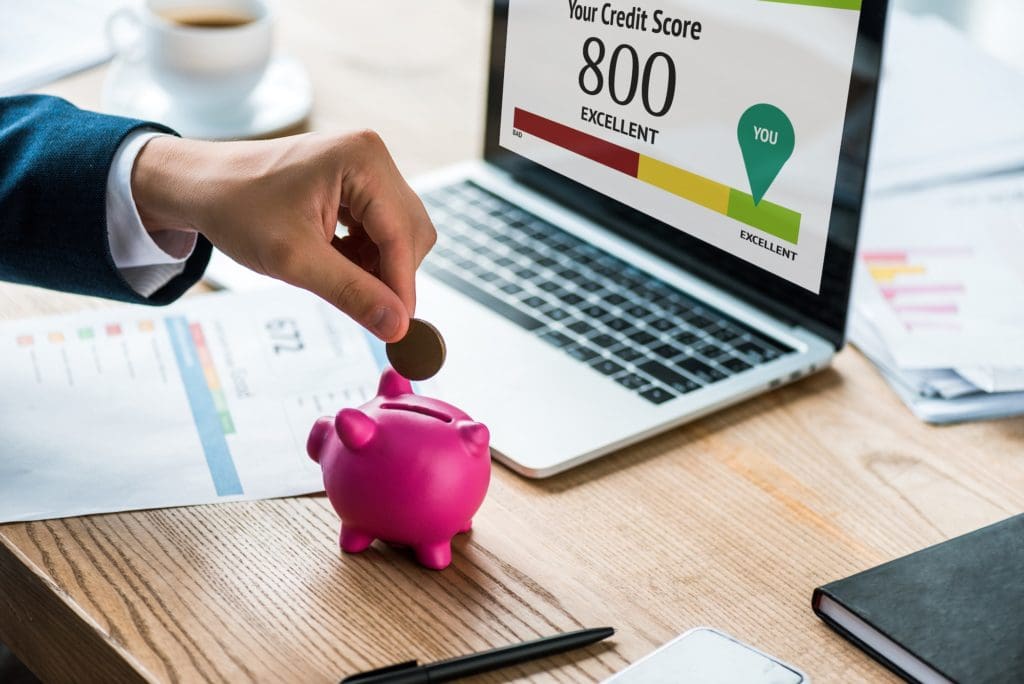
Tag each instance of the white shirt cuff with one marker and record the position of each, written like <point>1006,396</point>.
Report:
<point>147,261</point>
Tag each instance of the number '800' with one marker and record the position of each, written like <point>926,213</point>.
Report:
<point>592,78</point>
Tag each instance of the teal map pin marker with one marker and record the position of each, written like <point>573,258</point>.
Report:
<point>766,140</point>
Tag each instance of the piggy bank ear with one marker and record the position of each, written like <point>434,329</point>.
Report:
<point>392,384</point>
<point>355,428</point>
<point>475,435</point>
<point>321,428</point>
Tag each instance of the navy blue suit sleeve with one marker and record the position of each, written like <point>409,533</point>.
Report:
<point>54,161</point>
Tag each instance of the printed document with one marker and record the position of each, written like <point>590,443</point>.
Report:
<point>209,400</point>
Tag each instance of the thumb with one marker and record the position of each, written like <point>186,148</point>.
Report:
<point>366,299</point>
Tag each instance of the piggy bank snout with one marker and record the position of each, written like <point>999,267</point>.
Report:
<point>317,436</point>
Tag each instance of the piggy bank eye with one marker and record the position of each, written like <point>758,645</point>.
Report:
<point>422,410</point>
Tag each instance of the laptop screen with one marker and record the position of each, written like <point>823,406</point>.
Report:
<point>719,123</point>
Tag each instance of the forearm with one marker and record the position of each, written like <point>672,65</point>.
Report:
<point>53,193</point>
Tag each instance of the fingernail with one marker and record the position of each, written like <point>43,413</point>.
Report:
<point>384,323</point>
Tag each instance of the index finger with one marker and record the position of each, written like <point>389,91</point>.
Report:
<point>403,234</point>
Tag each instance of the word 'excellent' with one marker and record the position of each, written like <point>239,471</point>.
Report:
<point>613,123</point>
<point>635,18</point>
<point>768,245</point>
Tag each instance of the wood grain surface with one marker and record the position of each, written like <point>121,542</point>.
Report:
<point>729,522</point>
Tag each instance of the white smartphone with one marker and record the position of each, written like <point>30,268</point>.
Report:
<point>706,656</point>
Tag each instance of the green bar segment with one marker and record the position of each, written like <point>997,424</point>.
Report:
<point>833,4</point>
<point>771,218</point>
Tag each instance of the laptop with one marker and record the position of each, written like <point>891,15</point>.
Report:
<point>664,220</point>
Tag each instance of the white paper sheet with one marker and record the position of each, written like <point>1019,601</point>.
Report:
<point>994,379</point>
<point>43,40</point>
<point>946,109</point>
<point>938,396</point>
<point>209,400</point>
<point>940,275</point>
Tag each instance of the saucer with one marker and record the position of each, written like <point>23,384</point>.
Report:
<point>283,98</point>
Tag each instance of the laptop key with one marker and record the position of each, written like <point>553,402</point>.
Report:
<point>615,299</point>
<point>631,381</point>
<point>557,339</point>
<point>510,288</point>
<point>581,353</point>
<point>710,351</point>
<point>604,341</point>
<point>724,334</point>
<point>687,338</point>
<point>701,370</point>
<point>607,367</point>
<point>595,311</point>
<point>618,324</point>
<point>581,327</point>
<point>662,324</point>
<point>637,311</point>
<point>628,354</point>
<point>549,286</point>
<point>572,299</point>
<point>643,337</point>
<point>736,365</point>
<point>657,395</point>
<point>556,314</point>
<point>753,351</point>
<point>534,302</point>
<point>666,351</point>
<point>664,374</point>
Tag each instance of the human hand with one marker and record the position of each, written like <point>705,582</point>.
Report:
<point>274,205</point>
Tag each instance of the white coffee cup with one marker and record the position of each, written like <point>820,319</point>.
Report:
<point>206,54</point>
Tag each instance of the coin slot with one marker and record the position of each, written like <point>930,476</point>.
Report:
<point>422,410</point>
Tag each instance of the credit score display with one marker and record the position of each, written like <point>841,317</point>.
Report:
<point>721,118</point>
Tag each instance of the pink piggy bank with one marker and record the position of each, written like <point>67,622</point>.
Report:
<point>404,469</point>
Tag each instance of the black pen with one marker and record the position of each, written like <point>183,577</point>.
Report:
<point>412,672</point>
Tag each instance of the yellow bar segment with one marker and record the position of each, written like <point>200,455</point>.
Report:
<point>887,274</point>
<point>689,186</point>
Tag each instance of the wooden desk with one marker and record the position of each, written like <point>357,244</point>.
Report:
<point>729,522</point>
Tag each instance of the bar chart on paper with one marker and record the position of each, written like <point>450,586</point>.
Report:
<point>923,286</point>
<point>121,409</point>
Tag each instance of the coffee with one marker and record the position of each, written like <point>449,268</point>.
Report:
<point>202,17</point>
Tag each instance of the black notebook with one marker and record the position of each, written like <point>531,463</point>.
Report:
<point>953,612</point>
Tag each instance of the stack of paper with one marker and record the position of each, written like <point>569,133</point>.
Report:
<point>939,279</point>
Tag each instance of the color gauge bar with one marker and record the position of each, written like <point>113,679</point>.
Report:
<point>770,218</point>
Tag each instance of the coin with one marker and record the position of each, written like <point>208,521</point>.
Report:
<point>420,354</point>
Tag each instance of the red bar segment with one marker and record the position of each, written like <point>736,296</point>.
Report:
<point>601,151</point>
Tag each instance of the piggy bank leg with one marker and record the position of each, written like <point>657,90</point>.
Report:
<point>467,527</point>
<point>354,541</point>
<point>435,556</point>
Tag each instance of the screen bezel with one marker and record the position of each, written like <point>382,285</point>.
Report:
<point>824,313</point>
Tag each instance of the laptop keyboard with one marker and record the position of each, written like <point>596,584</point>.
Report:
<point>624,323</point>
